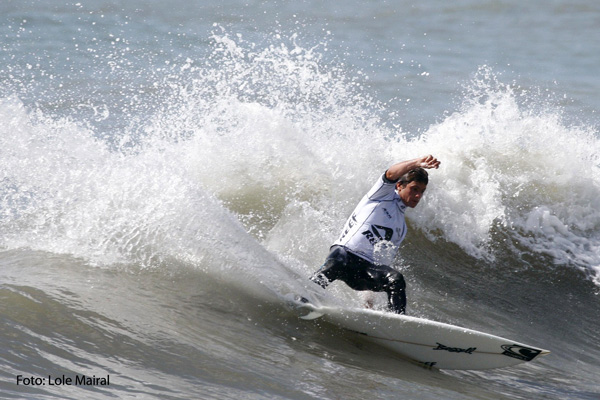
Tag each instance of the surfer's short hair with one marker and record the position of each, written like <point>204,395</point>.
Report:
<point>414,175</point>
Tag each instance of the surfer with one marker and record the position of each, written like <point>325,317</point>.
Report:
<point>362,255</point>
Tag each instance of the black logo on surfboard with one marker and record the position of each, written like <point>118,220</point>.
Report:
<point>520,352</point>
<point>470,350</point>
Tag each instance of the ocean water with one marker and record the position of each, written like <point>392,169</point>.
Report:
<point>171,171</point>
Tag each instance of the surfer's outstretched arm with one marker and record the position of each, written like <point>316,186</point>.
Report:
<point>396,171</point>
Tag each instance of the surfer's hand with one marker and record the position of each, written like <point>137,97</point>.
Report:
<point>396,171</point>
<point>428,162</point>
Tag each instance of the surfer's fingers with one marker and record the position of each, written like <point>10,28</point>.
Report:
<point>430,161</point>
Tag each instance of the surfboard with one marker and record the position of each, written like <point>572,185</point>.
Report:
<point>431,344</point>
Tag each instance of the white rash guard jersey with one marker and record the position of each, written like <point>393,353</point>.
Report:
<point>376,228</point>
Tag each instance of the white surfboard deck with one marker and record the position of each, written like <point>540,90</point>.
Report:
<point>430,343</point>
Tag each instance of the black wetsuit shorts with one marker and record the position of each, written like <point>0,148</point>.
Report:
<point>360,274</point>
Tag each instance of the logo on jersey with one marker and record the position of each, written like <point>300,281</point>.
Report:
<point>378,233</point>
<point>350,223</point>
<point>387,213</point>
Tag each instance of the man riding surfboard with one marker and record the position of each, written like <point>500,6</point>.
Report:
<point>362,255</point>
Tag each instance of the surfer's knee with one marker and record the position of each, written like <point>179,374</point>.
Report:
<point>320,279</point>
<point>396,281</point>
<point>333,268</point>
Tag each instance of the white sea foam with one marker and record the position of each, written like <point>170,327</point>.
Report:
<point>516,169</point>
<point>262,152</point>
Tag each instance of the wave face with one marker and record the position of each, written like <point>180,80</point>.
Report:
<point>273,139</point>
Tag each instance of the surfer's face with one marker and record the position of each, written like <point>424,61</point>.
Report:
<point>411,193</point>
